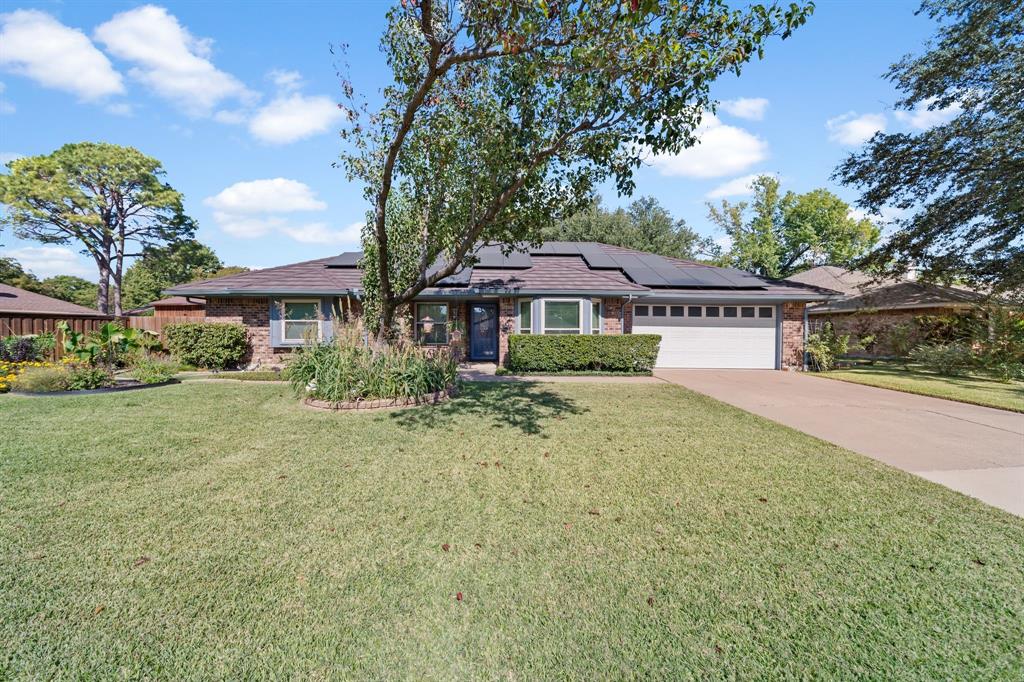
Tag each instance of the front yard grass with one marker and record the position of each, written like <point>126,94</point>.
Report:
<point>965,389</point>
<point>520,531</point>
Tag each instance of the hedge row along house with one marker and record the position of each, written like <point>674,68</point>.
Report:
<point>707,317</point>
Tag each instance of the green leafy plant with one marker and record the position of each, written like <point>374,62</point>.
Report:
<point>29,348</point>
<point>150,370</point>
<point>86,378</point>
<point>825,346</point>
<point>207,345</point>
<point>945,358</point>
<point>901,339</point>
<point>579,353</point>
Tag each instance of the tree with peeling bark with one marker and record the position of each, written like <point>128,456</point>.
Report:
<point>109,199</point>
<point>504,115</point>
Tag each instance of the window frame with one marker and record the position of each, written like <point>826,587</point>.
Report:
<point>447,320</point>
<point>520,328</point>
<point>560,331</point>
<point>285,339</point>
<point>596,309</point>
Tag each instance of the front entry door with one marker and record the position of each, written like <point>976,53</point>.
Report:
<point>483,331</point>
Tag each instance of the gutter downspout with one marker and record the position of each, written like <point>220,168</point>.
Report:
<point>805,337</point>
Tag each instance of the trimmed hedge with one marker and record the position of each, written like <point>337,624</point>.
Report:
<point>579,353</point>
<point>207,345</point>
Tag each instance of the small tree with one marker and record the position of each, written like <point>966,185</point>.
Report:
<point>505,115</point>
<point>162,267</point>
<point>781,235</point>
<point>107,198</point>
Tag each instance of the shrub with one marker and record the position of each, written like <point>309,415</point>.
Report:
<point>26,348</point>
<point>824,346</point>
<point>579,353</point>
<point>86,378</point>
<point>207,345</point>
<point>944,358</point>
<point>347,369</point>
<point>153,371</point>
<point>45,379</point>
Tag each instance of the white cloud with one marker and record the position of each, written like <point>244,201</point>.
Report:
<point>852,129</point>
<point>230,117</point>
<point>5,106</point>
<point>751,108</point>
<point>320,233</point>
<point>289,118</point>
<point>737,187</point>
<point>170,60</point>
<point>120,109</point>
<point>257,208</point>
<point>286,81</point>
<point>7,157</point>
<point>922,118</point>
<point>278,195</point>
<point>37,46</point>
<point>723,150</point>
<point>46,261</point>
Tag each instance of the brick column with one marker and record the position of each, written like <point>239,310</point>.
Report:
<point>612,321</point>
<point>793,336</point>
<point>506,325</point>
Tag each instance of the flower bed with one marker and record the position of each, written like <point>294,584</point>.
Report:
<point>383,403</point>
<point>9,371</point>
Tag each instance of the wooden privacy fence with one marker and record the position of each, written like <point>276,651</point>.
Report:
<point>157,323</point>
<point>12,324</point>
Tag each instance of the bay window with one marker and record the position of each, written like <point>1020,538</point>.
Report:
<point>525,323</point>
<point>562,317</point>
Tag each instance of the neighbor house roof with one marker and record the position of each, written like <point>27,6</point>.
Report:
<point>586,268</point>
<point>21,302</point>
<point>902,296</point>
<point>169,302</point>
<point>848,282</point>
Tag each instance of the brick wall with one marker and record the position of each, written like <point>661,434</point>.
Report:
<point>793,336</point>
<point>612,322</point>
<point>506,325</point>
<point>254,313</point>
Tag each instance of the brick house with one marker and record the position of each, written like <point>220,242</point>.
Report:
<point>869,307</point>
<point>706,316</point>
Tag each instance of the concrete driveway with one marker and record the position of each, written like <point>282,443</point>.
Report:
<point>978,451</point>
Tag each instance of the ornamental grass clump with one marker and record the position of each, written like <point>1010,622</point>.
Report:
<point>351,367</point>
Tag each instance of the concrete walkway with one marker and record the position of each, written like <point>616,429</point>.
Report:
<point>978,451</point>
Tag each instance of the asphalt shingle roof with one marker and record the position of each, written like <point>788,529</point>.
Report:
<point>21,302</point>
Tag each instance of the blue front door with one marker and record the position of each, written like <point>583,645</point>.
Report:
<point>483,331</point>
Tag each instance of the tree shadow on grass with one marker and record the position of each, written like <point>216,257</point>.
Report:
<point>522,405</point>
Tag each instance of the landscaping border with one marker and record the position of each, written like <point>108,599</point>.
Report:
<point>93,391</point>
<point>434,398</point>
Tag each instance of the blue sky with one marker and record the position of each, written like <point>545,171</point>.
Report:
<point>238,102</point>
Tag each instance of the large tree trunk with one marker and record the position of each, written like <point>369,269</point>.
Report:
<point>117,275</point>
<point>103,290</point>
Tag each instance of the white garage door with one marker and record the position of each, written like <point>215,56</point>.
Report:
<point>711,336</point>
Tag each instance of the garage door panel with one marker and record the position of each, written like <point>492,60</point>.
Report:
<point>702,342</point>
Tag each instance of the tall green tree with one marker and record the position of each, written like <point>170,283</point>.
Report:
<point>70,288</point>
<point>960,183</point>
<point>13,274</point>
<point>645,226</point>
<point>110,200</point>
<point>161,267</point>
<point>777,235</point>
<point>504,115</point>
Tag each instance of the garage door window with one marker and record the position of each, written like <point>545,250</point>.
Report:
<point>764,312</point>
<point>562,317</point>
<point>658,310</point>
<point>677,311</point>
<point>747,312</point>
<point>641,311</point>
<point>694,311</point>
<point>711,311</point>
<point>729,311</point>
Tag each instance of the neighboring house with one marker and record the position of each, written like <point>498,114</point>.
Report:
<point>173,306</point>
<point>24,312</point>
<point>706,316</point>
<point>870,307</point>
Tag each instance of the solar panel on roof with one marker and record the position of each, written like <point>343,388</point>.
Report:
<point>496,259</point>
<point>349,259</point>
<point>600,260</point>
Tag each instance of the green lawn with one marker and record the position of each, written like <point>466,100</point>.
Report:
<point>976,390</point>
<point>221,530</point>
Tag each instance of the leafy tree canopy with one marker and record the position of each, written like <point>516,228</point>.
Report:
<point>645,226</point>
<point>960,183</point>
<point>70,288</point>
<point>13,274</point>
<point>504,115</point>
<point>110,200</point>
<point>161,267</point>
<point>779,235</point>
